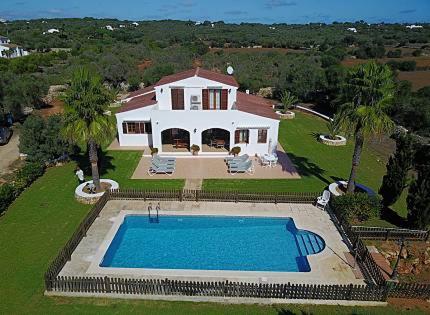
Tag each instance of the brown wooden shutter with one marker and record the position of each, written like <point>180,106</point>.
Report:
<point>237,136</point>
<point>124,127</point>
<point>177,98</point>
<point>205,98</point>
<point>174,93</point>
<point>180,99</point>
<point>224,98</point>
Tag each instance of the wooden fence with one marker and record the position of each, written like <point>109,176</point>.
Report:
<point>217,289</point>
<point>375,290</point>
<point>367,265</point>
<point>380,233</point>
<point>208,195</point>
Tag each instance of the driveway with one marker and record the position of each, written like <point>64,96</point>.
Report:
<point>9,153</point>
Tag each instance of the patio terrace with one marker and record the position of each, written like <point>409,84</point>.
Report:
<point>204,167</point>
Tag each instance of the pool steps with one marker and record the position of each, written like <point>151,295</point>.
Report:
<point>309,244</point>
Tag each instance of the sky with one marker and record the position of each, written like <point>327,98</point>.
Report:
<point>233,11</point>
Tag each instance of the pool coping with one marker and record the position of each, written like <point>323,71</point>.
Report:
<point>211,275</point>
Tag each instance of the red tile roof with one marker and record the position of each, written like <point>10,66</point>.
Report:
<point>255,105</point>
<point>199,72</point>
<point>140,91</point>
<point>139,102</point>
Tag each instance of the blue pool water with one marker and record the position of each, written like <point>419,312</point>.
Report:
<point>212,243</point>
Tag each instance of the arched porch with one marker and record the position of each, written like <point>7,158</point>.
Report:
<point>216,140</point>
<point>175,140</point>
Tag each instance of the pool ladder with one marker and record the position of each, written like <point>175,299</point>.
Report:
<point>153,218</point>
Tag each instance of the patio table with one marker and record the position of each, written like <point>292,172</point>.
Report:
<point>271,159</point>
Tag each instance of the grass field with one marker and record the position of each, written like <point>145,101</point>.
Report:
<point>39,223</point>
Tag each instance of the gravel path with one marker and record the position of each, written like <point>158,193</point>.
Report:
<point>9,153</point>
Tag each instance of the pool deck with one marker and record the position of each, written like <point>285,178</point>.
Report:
<point>328,267</point>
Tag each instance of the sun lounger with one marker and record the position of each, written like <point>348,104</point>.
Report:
<point>237,159</point>
<point>245,167</point>
<point>164,160</point>
<point>156,168</point>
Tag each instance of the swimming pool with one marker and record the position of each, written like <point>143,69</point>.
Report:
<point>212,243</point>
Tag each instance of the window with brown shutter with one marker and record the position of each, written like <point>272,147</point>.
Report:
<point>241,136</point>
<point>224,98</point>
<point>136,127</point>
<point>262,135</point>
<point>177,99</point>
<point>205,98</point>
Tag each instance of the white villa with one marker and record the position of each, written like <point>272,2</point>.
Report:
<point>8,50</point>
<point>198,107</point>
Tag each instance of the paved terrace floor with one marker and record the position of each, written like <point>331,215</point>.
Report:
<point>214,167</point>
<point>328,267</point>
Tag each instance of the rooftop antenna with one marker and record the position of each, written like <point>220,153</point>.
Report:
<point>230,70</point>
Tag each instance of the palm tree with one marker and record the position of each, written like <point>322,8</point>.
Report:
<point>288,99</point>
<point>84,120</point>
<point>369,90</point>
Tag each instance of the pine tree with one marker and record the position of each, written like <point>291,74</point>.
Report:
<point>419,199</point>
<point>398,167</point>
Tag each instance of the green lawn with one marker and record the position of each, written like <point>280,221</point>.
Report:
<point>318,164</point>
<point>120,165</point>
<point>39,223</point>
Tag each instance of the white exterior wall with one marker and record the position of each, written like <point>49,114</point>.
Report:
<point>201,121</point>
<point>162,117</point>
<point>192,86</point>
<point>134,140</point>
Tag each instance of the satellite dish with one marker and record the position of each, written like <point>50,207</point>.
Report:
<point>230,70</point>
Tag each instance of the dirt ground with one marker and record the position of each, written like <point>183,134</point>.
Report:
<point>9,153</point>
<point>415,268</point>
<point>422,61</point>
<point>246,49</point>
<point>54,107</point>
<point>419,79</point>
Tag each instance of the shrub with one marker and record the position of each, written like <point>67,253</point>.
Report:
<point>235,150</point>
<point>398,167</point>
<point>154,151</point>
<point>195,148</point>
<point>356,207</point>
<point>7,195</point>
<point>394,53</point>
<point>28,174</point>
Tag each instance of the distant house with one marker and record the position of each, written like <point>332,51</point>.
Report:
<point>135,24</point>
<point>198,107</point>
<point>4,40</point>
<point>352,29</point>
<point>414,26</point>
<point>12,51</point>
<point>121,25</point>
<point>51,31</point>
<point>109,27</point>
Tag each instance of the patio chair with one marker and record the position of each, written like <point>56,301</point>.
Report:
<point>245,167</point>
<point>164,160</point>
<point>263,161</point>
<point>156,168</point>
<point>236,159</point>
<point>323,200</point>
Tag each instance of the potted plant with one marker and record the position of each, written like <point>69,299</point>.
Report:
<point>332,137</point>
<point>195,149</point>
<point>235,151</point>
<point>154,151</point>
<point>289,100</point>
